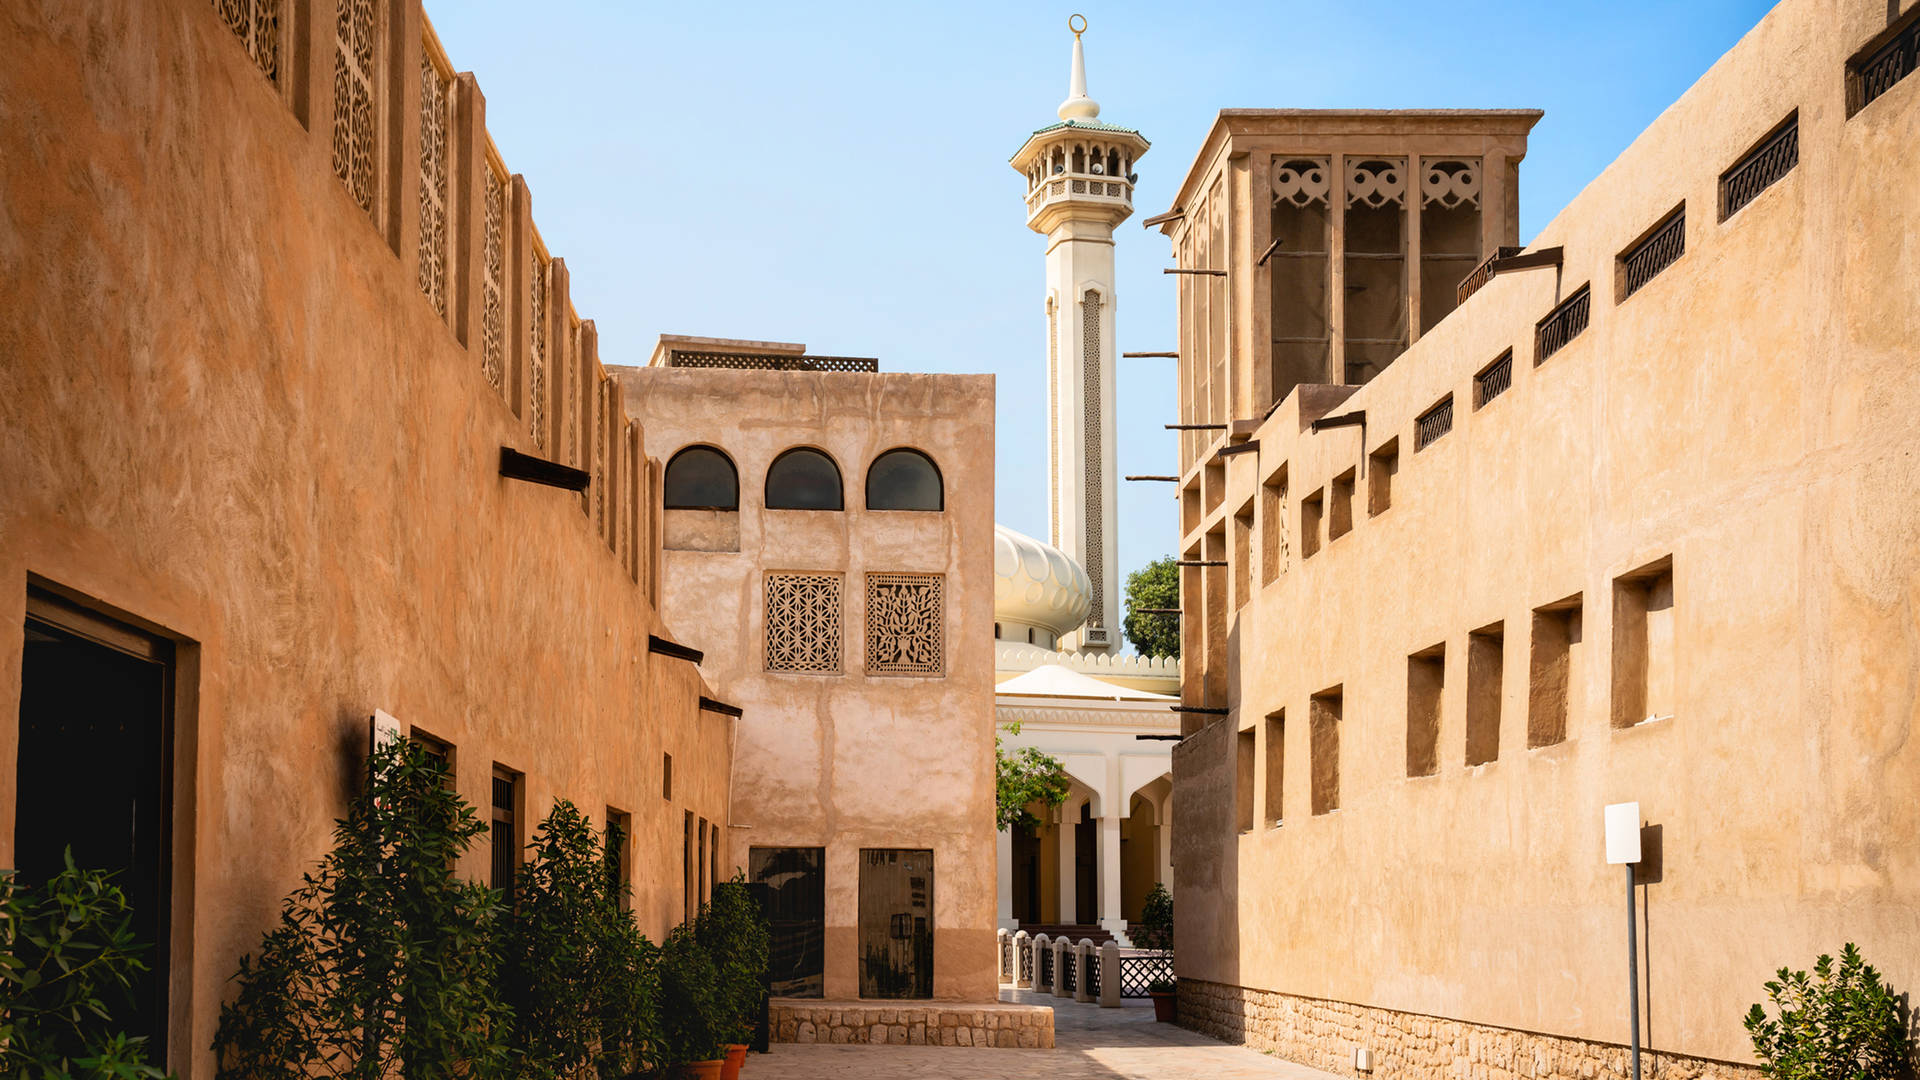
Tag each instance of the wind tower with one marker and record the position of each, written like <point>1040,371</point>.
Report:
<point>1080,178</point>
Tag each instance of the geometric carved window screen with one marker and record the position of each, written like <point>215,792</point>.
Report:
<point>257,24</point>
<point>436,122</point>
<point>803,622</point>
<point>355,115</point>
<point>906,624</point>
<point>493,284</point>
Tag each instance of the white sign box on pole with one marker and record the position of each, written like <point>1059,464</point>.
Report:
<point>1623,833</point>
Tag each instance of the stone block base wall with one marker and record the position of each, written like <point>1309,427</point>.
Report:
<point>1410,1046</point>
<point>797,1020</point>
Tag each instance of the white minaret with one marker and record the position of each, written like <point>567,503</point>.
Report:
<point>1079,186</point>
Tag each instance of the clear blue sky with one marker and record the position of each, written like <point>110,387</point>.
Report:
<point>837,174</point>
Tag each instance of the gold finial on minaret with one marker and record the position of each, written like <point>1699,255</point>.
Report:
<point>1078,105</point>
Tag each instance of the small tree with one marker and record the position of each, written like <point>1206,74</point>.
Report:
<point>691,1006</point>
<point>575,968</point>
<point>69,963</point>
<point>735,934</point>
<point>1156,920</point>
<point>1025,776</point>
<point>385,962</point>
<point>1839,1024</point>
<point>1155,585</point>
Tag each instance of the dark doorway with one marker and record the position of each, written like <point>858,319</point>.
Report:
<point>1026,875</point>
<point>797,912</point>
<point>1086,859</point>
<point>96,746</point>
<point>896,923</point>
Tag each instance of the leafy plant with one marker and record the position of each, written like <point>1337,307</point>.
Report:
<point>575,969</point>
<point>385,962</point>
<point>1840,1023</point>
<point>69,962</point>
<point>735,934</point>
<point>1156,920</point>
<point>1155,585</point>
<point>691,1005</point>
<point>1027,775</point>
<point>1160,986</point>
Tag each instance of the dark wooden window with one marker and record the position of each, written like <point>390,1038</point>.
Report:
<point>804,479</point>
<point>1774,158</point>
<point>1433,423</point>
<point>1661,249</point>
<point>666,776</point>
<point>700,478</point>
<point>796,907</point>
<point>688,903</point>
<point>1876,69</point>
<point>506,831</point>
<point>1562,324</point>
<point>896,923</point>
<point>617,841</point>
<point>700,861</point>
<point>1493,380</point>
<point>94,775</point>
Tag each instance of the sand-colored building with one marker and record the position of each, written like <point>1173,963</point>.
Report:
<point>1634,521</point>
<point>827,532</point>
<point>274,319</point>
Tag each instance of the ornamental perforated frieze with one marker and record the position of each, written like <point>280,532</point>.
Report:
<point>803,623</point>
<point>355,26</point>
<point>906,624</point>
<point>1093,417</point>
<point>492,282</point>
<point>257,24</point>
<point>537,354</point>
<point>1449,183</point>
<point>1302,182</point>
<point>435,98</point>
<point>1377,181</point>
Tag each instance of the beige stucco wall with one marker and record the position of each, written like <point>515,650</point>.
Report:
<point>228,414</point>
<point>1749,413</point>
<point>848,761</point>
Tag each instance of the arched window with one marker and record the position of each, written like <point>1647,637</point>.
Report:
<point>804,479</point>
<point>701,478</point>
<point>904,479</point>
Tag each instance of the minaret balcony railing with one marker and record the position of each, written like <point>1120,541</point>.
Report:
<point>1064,186</point>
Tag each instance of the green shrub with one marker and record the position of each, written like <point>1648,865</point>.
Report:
<point>576,970</point>
<point>691,1004</point>
<point>1156,920</point>
<point>735,934</point>
<point>69,962</point>
<point>385,963</point>
<point>1838,1024</point>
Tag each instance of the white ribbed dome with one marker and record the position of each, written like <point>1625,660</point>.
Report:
<point>1035,584</point>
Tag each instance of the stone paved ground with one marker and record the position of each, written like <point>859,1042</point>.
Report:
<point>1090,1043</point>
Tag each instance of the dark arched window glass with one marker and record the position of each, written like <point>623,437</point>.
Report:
<point>701,478</point>
<point>904,480</point>
<point>804,479</point>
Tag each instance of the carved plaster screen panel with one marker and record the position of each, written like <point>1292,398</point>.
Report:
<point>1450,182</point>
<point>493,290</point>
<point>355,119</point>
<point>803,623</point>
<point>537,353</point>
<point>906,624</point>
<point>436,99</point>
<point>1093,417</point>
<point>257,24</point>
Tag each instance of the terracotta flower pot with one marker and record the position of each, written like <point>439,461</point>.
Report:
<point>736,1057</point>
<point>1163,1005</point>
<point>699,1070</point>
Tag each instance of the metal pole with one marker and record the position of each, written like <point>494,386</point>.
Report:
<point>1633,980</point>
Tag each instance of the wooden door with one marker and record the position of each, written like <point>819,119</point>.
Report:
<point>896,923</point>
